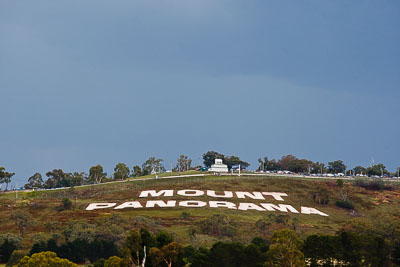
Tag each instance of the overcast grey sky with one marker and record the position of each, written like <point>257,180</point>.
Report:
<point>88,82</point>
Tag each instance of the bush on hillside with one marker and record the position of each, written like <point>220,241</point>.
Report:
<point>321,196</point>
<point>346,204</point>
<point>16,256</point>
<point>66,204</point>
<point>374,185</point>
<point>218,225</point>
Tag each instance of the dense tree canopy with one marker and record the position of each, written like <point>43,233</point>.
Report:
<point>359,170</point>
<point>8,243</point>
<point>45,259</point>
<point>377,169</point>
<point>285,250</point>
<point>234,160</point>
<point>121,171</point>
<point>210,156</point>
<point>337,166</point>
<point>96,174</point>
<point>293,164</point>
<point>35,181</point>
<point>136,171</point>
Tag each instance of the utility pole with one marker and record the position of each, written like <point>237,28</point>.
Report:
<point>239,169</point>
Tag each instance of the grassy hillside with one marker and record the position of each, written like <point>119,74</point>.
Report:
<point>184,223</point>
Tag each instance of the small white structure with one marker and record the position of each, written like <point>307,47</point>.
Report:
<point>219,166</point>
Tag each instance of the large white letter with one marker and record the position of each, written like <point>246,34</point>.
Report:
<point>227,194</point>
<point>192,204</point>
<point>95,206</point>
<point>195,193</point>
<point>132,204</point>
<point>161,204</point>
<point>305,210</point>
<point>153,193</point>
<point>277,196</point>
<point>249,206</point>
<point>255,195</point>
<point>280,207</point>
<point>222,204</point>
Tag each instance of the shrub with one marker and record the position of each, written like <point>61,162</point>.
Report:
<point>321,196</point>
<point>113,261</point>
<point>284,219</point>
<point>374,185</point>
<point>217,225</point>
<point>16,256</point>
<point>345,204</point>
<point>228,231</point>
<point>66,204</point>
<point>45,259</point>
<point>185,215</point>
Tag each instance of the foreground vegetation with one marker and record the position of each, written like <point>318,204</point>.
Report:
<point>57,221</point>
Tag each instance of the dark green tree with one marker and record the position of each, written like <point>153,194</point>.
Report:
<point>77,178</point>
<point>163,238</point>
<point>321,248</point>
<point>58,178</point>
<point>8,244</point>
<point>196,258</point>
<point>271,165</point>
<point>210,156</point>
<point>262,244</point>
<point>35,181</point>
<point>377,169</point>
<point>293,164</point>
<point>359,170</point>
<point>96,174</point>
<point>136,171</point>
<point>121,171</point>
<point>336,166</point>
<point>318,167</point>
<point>234,160</point>
<point>227,254</point>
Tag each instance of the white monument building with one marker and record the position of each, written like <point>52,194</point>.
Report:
<point>218,166</point>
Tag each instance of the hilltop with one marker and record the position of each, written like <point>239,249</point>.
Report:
<point>187,225</point>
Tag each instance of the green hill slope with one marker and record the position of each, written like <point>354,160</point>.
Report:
<point>198,225</point>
